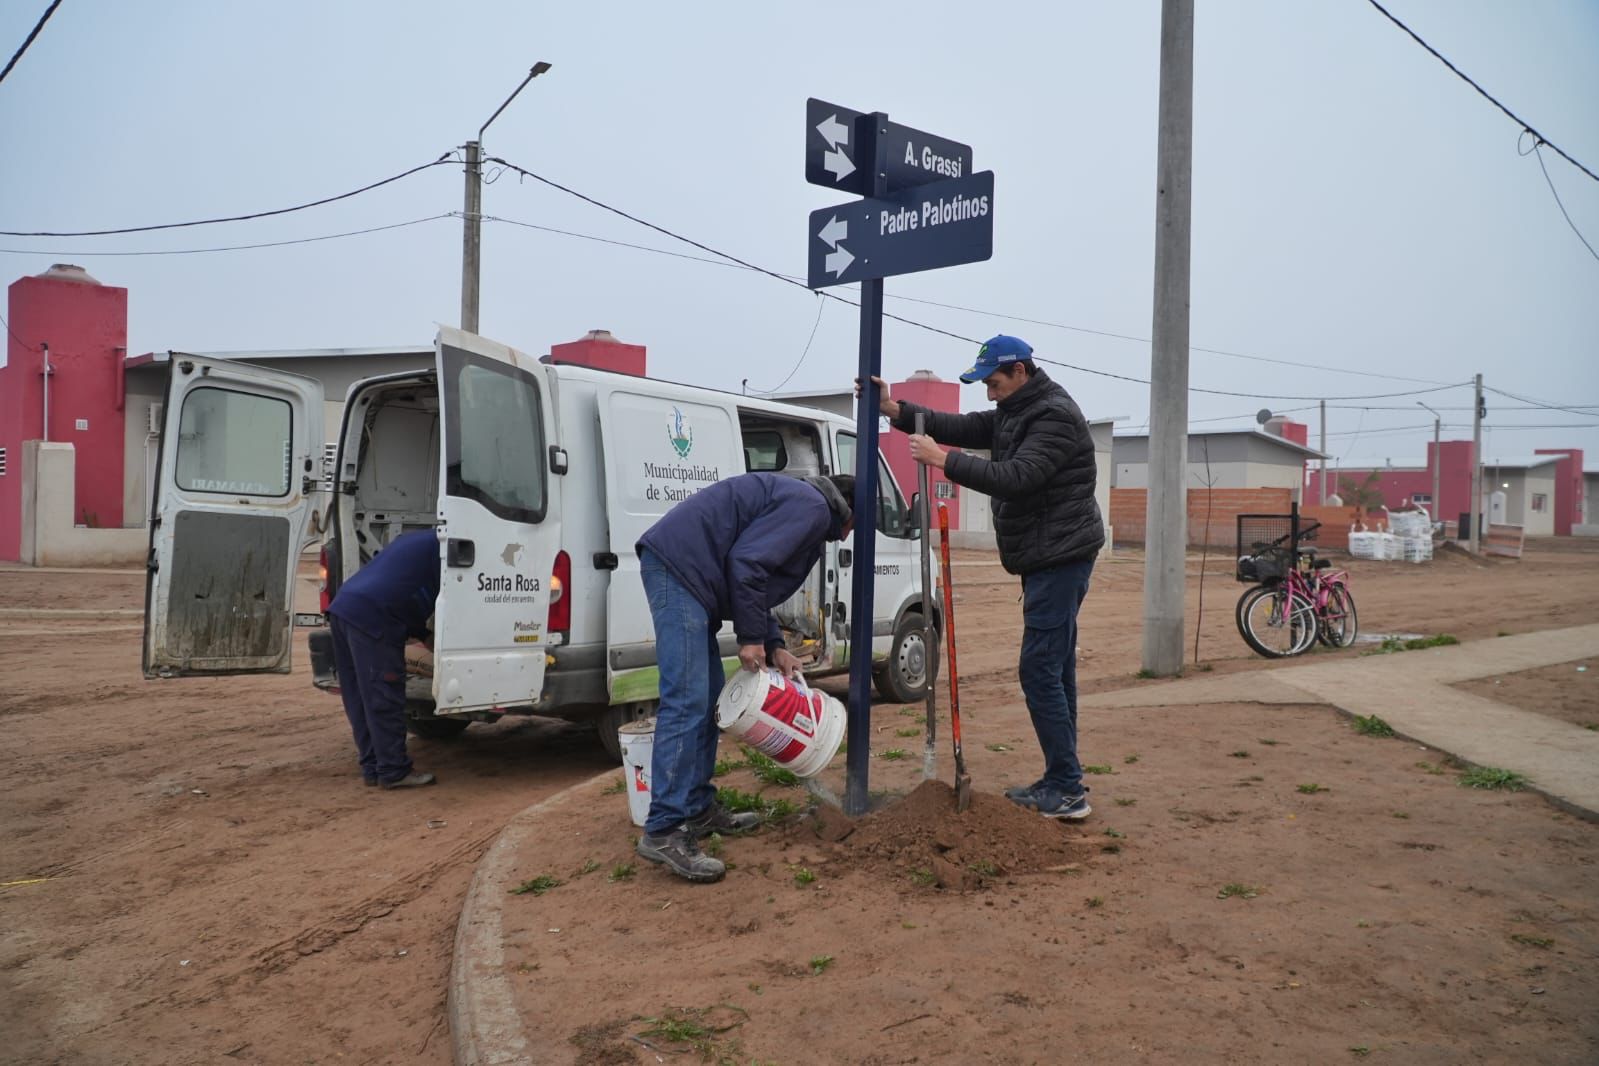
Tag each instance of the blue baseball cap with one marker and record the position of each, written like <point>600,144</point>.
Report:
<point>995,353</point>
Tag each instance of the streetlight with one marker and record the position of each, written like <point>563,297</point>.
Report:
<point>472,237</point>
<point>1437,457</point>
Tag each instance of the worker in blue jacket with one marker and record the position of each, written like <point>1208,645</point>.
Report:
<point>384,604</point>
<point>732,551</point>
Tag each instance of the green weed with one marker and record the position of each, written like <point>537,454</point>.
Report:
<point>984,868</point>
<point>767,770</point>
<point>536,885</point>
<point>1372,726</point>
<point>1394,644</point>
<point>803,877</point>
<point>1270,743</point>
<point>1095,901</point>
<point>1146,675</point>
<point>1311,790</point>
<point>1115,834</point>
<point>1111,849</point>
<point>615,787</point>
<point>820,963</point>
<point>913,731</point>
<point>1098,770</point>
<point>1532,941</point>
<point>1123,801</point>
<point>587,868</point>
<point>724,767</point>
<point>1401,814</point>
<point>1130,759</point>
<point>622,871</point>
<point>714,845</point>
<point>893,754</point>
<point>1492,777</point>
<point>1239,754</point>
<point>922,877</point>
<point>1427,767</point>
<point>1233,888</point>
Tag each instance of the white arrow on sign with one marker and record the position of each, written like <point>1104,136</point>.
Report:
<point>836,230</point>
<point>839,261</point>
<point>837,162</point>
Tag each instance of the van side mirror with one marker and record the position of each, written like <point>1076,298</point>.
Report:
<point>917,513</point>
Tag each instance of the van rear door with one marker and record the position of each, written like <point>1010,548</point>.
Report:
<point>499,525</point>
<point>662,444</point>
<point>239,462</point>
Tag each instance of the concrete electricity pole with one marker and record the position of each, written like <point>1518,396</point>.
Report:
<point>1166,513</point>
<point>1437,459</point>
<point>1476,470</point>
<point>1323,461</point>
<point>472,213</point>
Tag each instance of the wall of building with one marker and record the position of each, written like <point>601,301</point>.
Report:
<point>929,391</point>
<point>1569,488</point>
<point>50,535</point>
<point>1221,506</point>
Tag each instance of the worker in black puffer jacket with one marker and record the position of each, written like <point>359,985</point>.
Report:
<point>1047,522</point>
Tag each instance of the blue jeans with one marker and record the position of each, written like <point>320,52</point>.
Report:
<point>1048,670</point>
<point>690,667</point>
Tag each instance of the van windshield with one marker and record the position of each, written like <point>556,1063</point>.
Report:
<point>494,436</point>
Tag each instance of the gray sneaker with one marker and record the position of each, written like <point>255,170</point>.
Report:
<point>718,819</point>
<point>1020,793</point>
<point>1053,803</point>
<point>415,779</point>
<point>679,852</point>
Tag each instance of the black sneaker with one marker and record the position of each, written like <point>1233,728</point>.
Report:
<point>1020,793</point>
<point>679,852</point>
<point>718,819</point>
<point>1052,803</point>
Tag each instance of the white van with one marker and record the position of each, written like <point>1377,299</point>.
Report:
<point>538,479</point>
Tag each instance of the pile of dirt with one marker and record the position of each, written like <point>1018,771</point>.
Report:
<point>923,837</point>
<point>1449,553</point>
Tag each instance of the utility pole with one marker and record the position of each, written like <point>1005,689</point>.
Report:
<point>1476,470</point>
<point>1166,511</point>
<point>1322,502</point>
<point>472,213</point>
<point>1437,459</point>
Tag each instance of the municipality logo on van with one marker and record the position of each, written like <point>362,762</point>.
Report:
<point>680,433</point>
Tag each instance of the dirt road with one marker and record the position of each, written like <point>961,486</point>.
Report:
<point>194,872</point>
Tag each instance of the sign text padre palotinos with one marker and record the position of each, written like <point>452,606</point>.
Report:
<point>930,210</point>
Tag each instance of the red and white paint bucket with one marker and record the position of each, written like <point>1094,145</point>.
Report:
<point>798,726</point>
<point>638,748</point>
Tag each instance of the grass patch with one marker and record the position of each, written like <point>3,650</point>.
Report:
<point>536,885</point>
<point>615,787</point>
<point>913,731</point>
<point>1239,754</point>
<point>804,876</point>
<point>1115,834</point>
<point>738,801</point>
<point>1533,941</point>
<point>1394,644</point>
<point>1240,890</point>
<point>1401,814</point>
<point>910,712</point>
<point>1095,901</point>
<point>1360,1051</point>
<point>1491,777</point>
<point>724,767</point>
<point>1371,725</point>
<point>984,868</point>
<point>767,770</point>
<point>622,871</point>
<point>1128,760</point>
<point>1146,675</point>
<point>893,754</point>
<point>1311,790</point>
<point>1123,801</point>
<point>587,868</point>
<point>714,845</point>
<point>1098,770</point>
<point>819,964</point>
<point>922,877</point>
<point>1270,743</point>
<point>1111,849</point>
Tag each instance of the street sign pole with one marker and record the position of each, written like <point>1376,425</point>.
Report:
<point>867,412</point>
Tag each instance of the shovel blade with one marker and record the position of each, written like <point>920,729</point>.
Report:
<point>963,792</point>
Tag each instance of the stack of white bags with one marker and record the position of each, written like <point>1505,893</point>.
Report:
<point>1408,537</point>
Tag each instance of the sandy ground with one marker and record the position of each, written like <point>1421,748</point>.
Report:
<point>194,873</point>
<point>1567,691</point>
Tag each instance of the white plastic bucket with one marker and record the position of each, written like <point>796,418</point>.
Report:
<point>798,726</point>
<point>638,747</point>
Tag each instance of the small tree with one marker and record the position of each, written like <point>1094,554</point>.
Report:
<point>1365,495</point>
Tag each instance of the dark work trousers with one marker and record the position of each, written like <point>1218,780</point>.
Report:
<point>372,682</point>
<point>1048,668</point>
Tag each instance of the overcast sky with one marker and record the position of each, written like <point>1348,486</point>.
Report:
<point>1357,207</point>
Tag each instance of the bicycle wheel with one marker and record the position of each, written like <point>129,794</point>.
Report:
<point>1276,623</point>
<point>1338,622</point>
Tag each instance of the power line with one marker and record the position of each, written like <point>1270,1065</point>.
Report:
<point>1558,203</point>
<point>232,218</point>
<point>1576,409</point>
<point>923,325</point>
<point>820,306</point>
<point>26,346</point>
<point>234,247</point>
<point>1485,94</point>
<point>51,10</point>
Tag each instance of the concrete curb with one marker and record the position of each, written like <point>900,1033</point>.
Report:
<point>485,1028</point>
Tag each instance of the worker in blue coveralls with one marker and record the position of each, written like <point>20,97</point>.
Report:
<point>384,604</point>
<point>733,550</point>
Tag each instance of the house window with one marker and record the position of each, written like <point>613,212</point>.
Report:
<point>1423,499</point>
<point>1540,502</point>
<point>2,462</point>
<point>944,490</point>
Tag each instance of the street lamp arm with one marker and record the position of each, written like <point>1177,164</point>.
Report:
<point>538,68</point>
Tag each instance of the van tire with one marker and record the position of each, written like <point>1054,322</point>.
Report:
<point>420,721</point>
<point>614,717</point>
<point>903,677</point>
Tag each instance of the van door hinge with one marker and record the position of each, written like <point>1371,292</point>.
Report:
<point>606,561</point>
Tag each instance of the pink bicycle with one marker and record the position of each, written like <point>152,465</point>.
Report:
<point>1296,598</point>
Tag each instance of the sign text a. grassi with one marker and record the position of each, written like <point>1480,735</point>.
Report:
<point>941,224</point>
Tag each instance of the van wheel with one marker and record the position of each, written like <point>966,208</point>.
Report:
<point>420,721</point>
<point>903,678</point>
<point>614,717</point>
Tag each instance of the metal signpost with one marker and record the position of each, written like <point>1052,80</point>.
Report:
<point>923,209</point>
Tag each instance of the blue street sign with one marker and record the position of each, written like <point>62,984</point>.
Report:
<point>834,160</point>
<point>930,226</point>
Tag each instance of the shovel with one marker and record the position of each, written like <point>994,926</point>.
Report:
<point>929,637</point>
<point>963,780</point>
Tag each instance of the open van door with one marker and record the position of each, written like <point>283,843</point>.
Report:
<point>240,460</point>
<point>499,525</point>
<point>662,444</point>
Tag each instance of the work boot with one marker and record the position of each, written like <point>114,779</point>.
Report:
<point>718,819</point>
<point>415,779</point>
<point>679,852</point>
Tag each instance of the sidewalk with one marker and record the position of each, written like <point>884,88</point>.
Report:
<point>1410,691</point>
